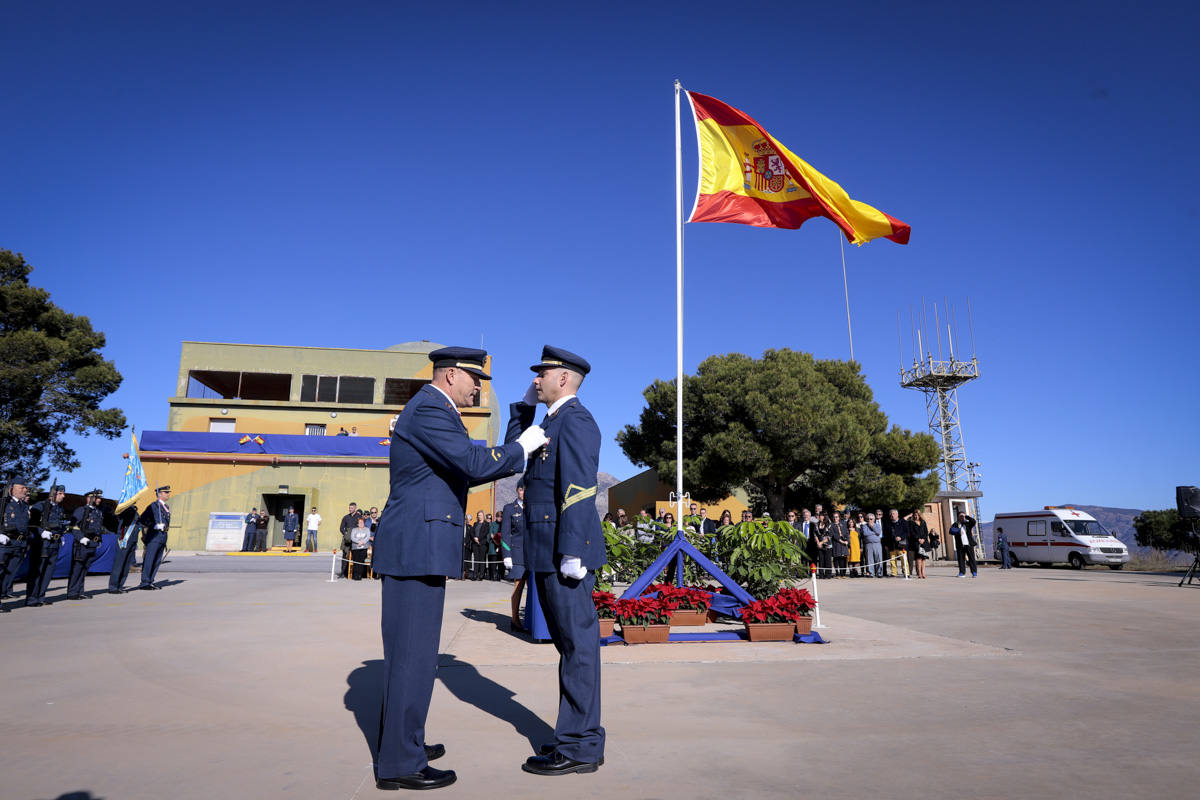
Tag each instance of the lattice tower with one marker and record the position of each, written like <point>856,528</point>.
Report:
<point>939,381</point>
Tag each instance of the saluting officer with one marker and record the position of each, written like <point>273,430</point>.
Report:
<point>51,524</point>
<point>127,539</point>
<point>564,546</point>
<point>433,464</point>
<point>89,519</point>
<point>14,528</point>
<point>156,521</point>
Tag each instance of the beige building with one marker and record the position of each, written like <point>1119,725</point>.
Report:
<point>645,489</point>
<point>268,426</point>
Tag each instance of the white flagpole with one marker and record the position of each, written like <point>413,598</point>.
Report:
<point>678,317</point>
<point>846,291</point>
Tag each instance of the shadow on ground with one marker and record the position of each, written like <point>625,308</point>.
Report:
<point>365,689</point>
<point>502,622</point>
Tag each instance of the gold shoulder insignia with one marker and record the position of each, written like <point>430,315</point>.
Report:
<point>495,454</point>
<point>580,493</point>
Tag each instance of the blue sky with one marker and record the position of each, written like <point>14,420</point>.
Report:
<point>373,173</point>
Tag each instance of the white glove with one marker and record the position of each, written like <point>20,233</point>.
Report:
<point>46,534</point>
<point>508,563</point>
<point>572,567</point>
<point>530,398</point>
<point>4,539</point>
<point>85,541</point>
<point>158,527</point>
<point>532,438</point>
<point>392,424</point>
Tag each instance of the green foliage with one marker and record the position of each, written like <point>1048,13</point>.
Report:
<point>786,427</point>
<point>1163,530</point>
<point>761,555</point>
<point>52,377</point>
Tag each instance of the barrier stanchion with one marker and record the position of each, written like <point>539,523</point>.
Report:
<point>904,560</point>
<point>816,599</point>
<point>333,567</point>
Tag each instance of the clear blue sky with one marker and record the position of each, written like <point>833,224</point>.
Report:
<point>370,173</point>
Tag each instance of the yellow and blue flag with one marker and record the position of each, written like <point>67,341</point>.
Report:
<point>135,478</point>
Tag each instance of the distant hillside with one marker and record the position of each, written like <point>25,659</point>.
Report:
<point>506,491</point>
<point>1117,520</point>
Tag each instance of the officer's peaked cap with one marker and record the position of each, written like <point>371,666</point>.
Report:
<point>468,358</point>
<point>58,487</point>
<point>557,357</point>
<point>163,489</point>
<point>20,480</point>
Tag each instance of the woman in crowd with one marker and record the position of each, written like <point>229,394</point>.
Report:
<point>726,519</point>
<point>918,542</point>
<point>855,544</point>
<point>824,546</point>
<point>608,517</point>
<point>668,519</point>
<point>840,532</point>
<point>360,540</point>
<point>872,535</point>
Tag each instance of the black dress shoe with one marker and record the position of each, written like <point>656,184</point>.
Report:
<point>76,597</point>
<point>115,591</point>
<point>547,749</point>
<point>428,778</point>
<point>33,603</point>
<point>434,751</point>
<point>558,764</point>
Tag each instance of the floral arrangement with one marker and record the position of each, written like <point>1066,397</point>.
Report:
<point>606,604</point>
<point>644,611</point>
<point>786,605</point>
<point>682,598</point>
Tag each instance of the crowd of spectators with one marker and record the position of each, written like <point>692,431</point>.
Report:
<point>481,548</point>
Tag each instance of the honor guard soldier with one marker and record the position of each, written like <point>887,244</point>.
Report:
<point>14,528</point>
<point>433,463</point>
<point>127,539</point>
<point>50,522</point>
<point>563,548</point>
<point>155,521</point>
<point>89,519</point>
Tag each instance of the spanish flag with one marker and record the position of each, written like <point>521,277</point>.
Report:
<point>748,177</point>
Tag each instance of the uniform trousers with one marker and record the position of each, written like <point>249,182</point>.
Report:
<point>81,562</point>
<point>122,560</point>
<point>412,624</point>
<point>571,619</point>
<point>1004,562</point>
<point>153,556</point>
<point>966,553</point>
<point>41,570</point>
<point>248,540</point>
<point>10,561</point>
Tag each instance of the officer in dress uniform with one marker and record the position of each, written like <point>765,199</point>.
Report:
<point>89,519</point>
<point>14,528</point>
<point>418,544</point>
<point>127,539</point>
<point>564,546</point>
<point>156,521</point>
<point>512,546</point>
<point>50,523</point>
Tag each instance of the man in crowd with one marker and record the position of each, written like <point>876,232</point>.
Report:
<point>963,534</point>
<point>49,524</point>
<point>14,530</point>
<point>347,526</point>
<point>260,531</point>
<point>479,535</point>
<point>156,521</point>
<point>433,463</point>
<point>564,547</point>
<point>895,532</point>
<point>311,523</point>
<point>89,522</point>
<point>872,538</point>
<point>251,531</point>
<point>747,516</point>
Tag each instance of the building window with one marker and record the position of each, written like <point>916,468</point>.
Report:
<point>398,391</point>
<point>222,425</point>
<point>216,384</point>
<point>335,389</point>
<point>314,429</point>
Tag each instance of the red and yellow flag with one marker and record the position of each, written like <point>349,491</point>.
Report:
<point>748,177</point>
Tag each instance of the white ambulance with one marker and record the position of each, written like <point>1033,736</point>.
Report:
<point>1058,535</point>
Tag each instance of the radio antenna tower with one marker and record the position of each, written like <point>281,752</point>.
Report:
<point>938,378</point>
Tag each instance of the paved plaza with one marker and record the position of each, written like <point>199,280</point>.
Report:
<point>263,682</point>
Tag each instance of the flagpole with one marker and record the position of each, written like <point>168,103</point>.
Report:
<point>846,290</point>
<point>678,316</point>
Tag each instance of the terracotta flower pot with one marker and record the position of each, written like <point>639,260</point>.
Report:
<point>804,625</point>
<point>606,627</point>
<point>681,617</point>
<point>770,631</point>
<point>652,634</point>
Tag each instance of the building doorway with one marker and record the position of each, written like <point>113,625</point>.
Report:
<point>277,506</point>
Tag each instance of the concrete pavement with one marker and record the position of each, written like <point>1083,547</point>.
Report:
<point>1027,683</point>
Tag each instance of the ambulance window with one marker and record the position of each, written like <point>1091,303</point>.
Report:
<point>1036,528</point>
<point>1057,527</point>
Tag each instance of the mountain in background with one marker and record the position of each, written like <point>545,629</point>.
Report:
<point>506,491</point>
<point>1117,520</point>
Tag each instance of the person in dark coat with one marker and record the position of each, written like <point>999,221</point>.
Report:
<point>156,521</point>
<point>89,524</point>
<point>127,539</point>
<point>348,524</point>
<point>433,463</point>
<point>918,543</point>
<point>512,546</point>
<point>840,533</point>
<point>260,531</point>
<point>962,533</point>
<point>291,528</point>
<point>251,531</point>
<point>49,522</point>
<point>14,532</point>
<point>479,534</point>
<point>564,546</point>
<point>895,536</point>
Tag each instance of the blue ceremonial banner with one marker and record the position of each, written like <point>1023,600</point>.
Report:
<point>135,477</point>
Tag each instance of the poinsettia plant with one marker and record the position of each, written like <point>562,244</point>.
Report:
<point>606,604</point>
<point>644,611</point>
<point>786,605</point>
<point>685,598</point>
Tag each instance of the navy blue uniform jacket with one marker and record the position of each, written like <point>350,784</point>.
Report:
<point>560,489</point>
<point>433,463</point>
<point>512,533</point>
